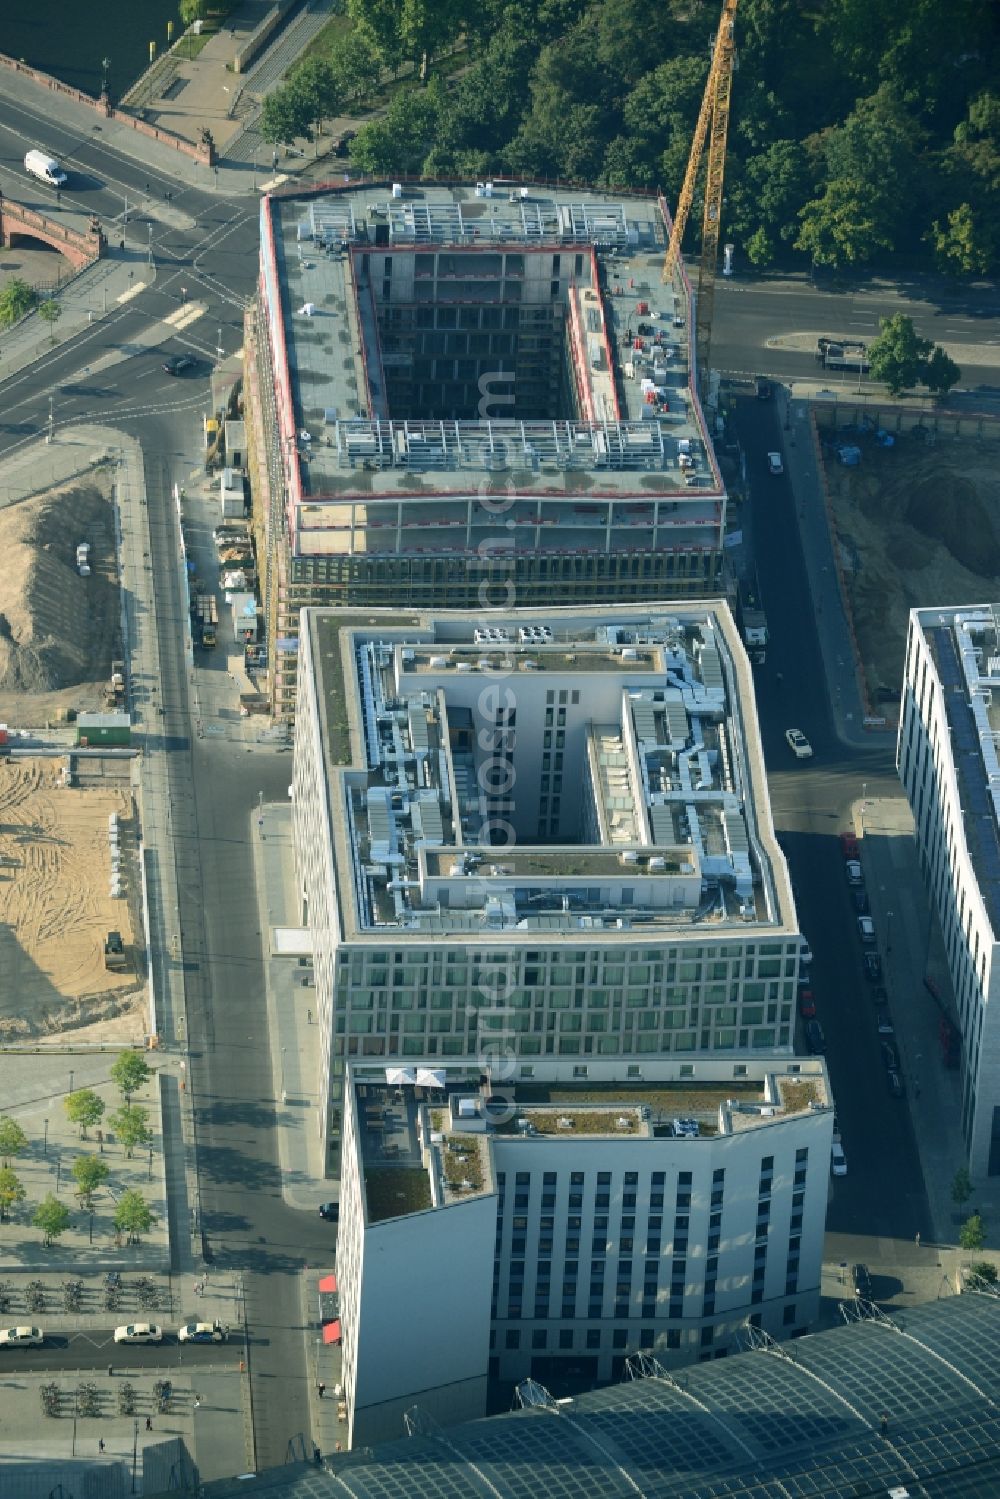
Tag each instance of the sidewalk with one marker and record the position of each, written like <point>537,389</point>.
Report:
<point>821,568</point>
<point>912,948</point>
<point>294,1034</point>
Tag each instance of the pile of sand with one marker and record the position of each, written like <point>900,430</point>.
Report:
<point>57,629</point>
<point>918,526</point>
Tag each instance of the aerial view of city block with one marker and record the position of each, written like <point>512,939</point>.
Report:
<point>499,765</point>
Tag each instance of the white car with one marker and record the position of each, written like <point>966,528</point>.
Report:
<point>866,930</point>
<point>21,1337</point>
<point>202,1332</point>
<point>838,1160</point>
<point>774,464</point>
<point>139,1332</point>
<point>855,874</point>
<point>798,744</point>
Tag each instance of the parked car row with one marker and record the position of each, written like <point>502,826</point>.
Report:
<point>132,1332</point>
<point>873,968</point>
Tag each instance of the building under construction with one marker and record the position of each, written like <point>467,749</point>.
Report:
<point>472,397</point>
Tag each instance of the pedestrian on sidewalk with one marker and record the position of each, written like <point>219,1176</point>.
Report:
<point>309,1017</point>
<point>149,1423</point>
<point>100,1444</point>
<point>917,1239</point>
<point>197,1401</point>
<point>322,1389</point>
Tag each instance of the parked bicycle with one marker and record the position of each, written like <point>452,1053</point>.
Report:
<point>88,1400</point>
<point>50,1399</point>
<point>126,1399</point>
<point>72,1295</point>
<point>34,1295</point>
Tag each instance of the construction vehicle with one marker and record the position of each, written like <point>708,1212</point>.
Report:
<point>114,692</point>
<point>843,354</point>
<point>713,126</point>
<point>753,620</point>
<point>115,956</point>
<point>207,615</point>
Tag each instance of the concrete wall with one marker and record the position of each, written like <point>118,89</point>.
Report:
<point>424,1328</point>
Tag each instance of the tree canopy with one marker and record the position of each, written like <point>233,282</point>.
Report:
<point>841,151</point>
<point>902,359</point>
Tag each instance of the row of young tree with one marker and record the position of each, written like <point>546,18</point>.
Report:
<point>859,128</point>
<point>86,1109</point>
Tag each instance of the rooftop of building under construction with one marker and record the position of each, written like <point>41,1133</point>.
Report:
<point>455,341</point>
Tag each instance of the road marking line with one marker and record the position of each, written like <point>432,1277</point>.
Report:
<point>185,315</point>
<point>133,291</point>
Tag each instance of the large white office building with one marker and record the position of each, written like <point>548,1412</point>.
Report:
<point>947,759</point>
<point>521,838</point>
<point>503,1223</point>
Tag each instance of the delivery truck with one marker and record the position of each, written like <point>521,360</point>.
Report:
<point>45,167</point>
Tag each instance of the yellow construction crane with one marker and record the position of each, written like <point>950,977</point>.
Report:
<point>713,124</point>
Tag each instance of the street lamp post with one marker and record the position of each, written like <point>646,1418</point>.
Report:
<point>149,229</point>
<point>284,1091</point>
<point>888,933</point>
<point>71,1076</point>
<point>864,798</point>
<point>45,1145</point>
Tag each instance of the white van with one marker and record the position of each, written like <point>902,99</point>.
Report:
<point>45,168</point>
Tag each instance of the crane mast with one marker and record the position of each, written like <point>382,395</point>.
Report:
<point>713,127</point>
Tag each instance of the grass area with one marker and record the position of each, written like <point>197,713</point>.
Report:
<point>394,1191</point>
<point>463,1163</point>
<point>669,1098</point>
<point>335,28</point>
<point>798,1093</point>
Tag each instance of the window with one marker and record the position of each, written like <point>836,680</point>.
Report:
<point>647,1337</point>
<point>604,1178</point>
<point>706,1336</point>
<point>619,1338</point>
<point>683,1178</point>
<point>565,1337</point>
<point>513,1338</point>
<point>658,1178</point>
<point>539,1338</point>
<point>674,1337</point>
<point>788,1316</point>
<point>593,1337</point>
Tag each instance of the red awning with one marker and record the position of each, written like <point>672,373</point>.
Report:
<point>331,1332</point>
<point>328,1283</point>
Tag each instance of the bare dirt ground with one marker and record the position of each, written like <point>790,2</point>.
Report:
<point>58,632</point>
<point>55,909</point>
<point>918,525</point>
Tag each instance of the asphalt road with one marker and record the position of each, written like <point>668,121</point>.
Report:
<point>93,1351</point>
<point>757,320</point>
<point>883,1194</point>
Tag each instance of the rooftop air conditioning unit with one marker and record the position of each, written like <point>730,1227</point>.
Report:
<point>564,1122</point>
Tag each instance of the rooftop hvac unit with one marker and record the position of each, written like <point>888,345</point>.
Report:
<point>629,856</point>
<point>397,189</point>
<point>438,662</point>
<point>564,1122</point>
<point>623,1122</point>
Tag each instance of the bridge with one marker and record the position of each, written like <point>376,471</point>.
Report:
<point>80,247</point>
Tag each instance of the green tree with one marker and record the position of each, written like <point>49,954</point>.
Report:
<point>193,10</point>
<point>131,1126</point>
<point>356,63</point>
<point>11,1191</point>
<point>50,311</point>
<point>314,83</point>
<point>52,1217</point>
<point>12,1140</point>
<point>381,18</point>
<point>401,139</point>
<point>984,1270</point>
<point>89,1171</point>
<point>898,356</point>
<point>963,245</point>
<point>972,1234</point>
<point>133,1216</point>
<point>961,1186</point>
<point>16,298</point>
<point>285,117</point>
<point>129,1072</point>
<point>84,1108</point>
<point>940,372</point>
